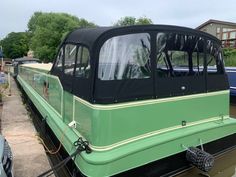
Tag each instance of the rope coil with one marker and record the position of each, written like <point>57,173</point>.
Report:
<point>80,145</point>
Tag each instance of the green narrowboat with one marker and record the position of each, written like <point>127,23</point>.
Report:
<point>142,97</point>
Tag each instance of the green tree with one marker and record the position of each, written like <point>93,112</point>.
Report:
<point>143,21</point>
<point>48,29</point>
<point>16,45</point>
<point>127,21</point>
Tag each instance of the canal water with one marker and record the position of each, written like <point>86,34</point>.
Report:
<point>225,165</point>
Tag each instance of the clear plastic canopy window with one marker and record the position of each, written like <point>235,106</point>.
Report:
<point>179,55</point>
<point>70,53</point>
<point>125,57</point>
<point>183,54</point>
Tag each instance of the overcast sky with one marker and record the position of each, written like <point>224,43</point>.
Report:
<point>14,14</point>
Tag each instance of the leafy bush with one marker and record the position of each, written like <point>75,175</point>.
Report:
<point>229,56</point>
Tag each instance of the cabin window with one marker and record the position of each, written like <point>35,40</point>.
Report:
<point>125,57</point>
<point>179,61</point>
<point>83,63</point>
<point>214,58</point>
<point>70,53</point>
<point>59,60</point>
<point>179,55</point>
<point>198,62</point>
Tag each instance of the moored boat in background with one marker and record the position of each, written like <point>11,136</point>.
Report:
<point>19,61</point>
<point>231,73</point>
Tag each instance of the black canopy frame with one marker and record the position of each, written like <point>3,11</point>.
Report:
<point>96,90</point>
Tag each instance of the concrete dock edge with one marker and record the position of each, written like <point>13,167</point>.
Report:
<point>29,156</point>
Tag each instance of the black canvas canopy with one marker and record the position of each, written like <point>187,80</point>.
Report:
<point>86,36</point>
<point>117,64</point>
<point>89,36</point>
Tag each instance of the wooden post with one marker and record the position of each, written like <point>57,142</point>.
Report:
<point>9,82</point>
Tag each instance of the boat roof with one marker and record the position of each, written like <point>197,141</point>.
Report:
<point>89,36</point>
<point>40,66</point>
<point>26,59</point>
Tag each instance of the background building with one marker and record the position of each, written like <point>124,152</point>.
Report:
<point>225,31</point>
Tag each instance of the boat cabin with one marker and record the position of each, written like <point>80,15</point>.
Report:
<point>118,64</point>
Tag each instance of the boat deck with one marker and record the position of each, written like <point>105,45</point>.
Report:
<point>40,66</point>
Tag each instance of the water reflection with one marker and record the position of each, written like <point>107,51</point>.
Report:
<point>225,165</point>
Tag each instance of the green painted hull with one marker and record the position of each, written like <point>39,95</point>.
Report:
<point>128,135</point>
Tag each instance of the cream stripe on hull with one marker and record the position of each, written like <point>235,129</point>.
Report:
<point>150,134</point>
<point>147,102</point>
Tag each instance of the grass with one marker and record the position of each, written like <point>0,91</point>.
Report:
<point>3,88</point>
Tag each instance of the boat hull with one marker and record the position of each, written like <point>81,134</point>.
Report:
<point>177,163</point>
